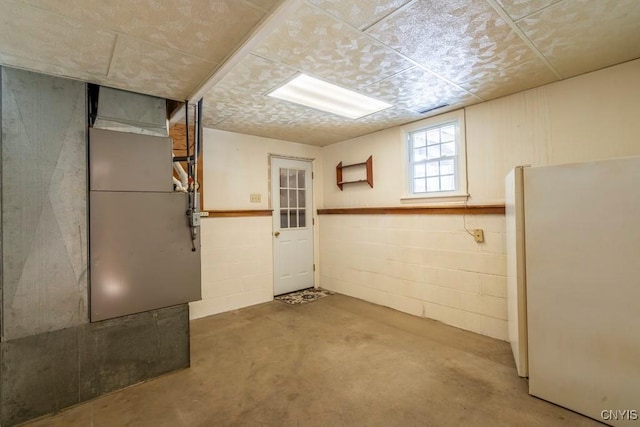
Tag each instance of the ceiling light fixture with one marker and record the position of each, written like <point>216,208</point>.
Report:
<point>318,94</point>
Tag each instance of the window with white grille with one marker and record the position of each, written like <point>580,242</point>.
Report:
<point>436,165</point>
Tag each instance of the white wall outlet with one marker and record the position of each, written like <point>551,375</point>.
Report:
<point>478,235</point>
<point>255,198</point>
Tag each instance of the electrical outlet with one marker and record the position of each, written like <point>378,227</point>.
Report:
<point>254,198</point>
<point>478,235</point>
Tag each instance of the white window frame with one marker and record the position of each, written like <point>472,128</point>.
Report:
<point>459,195</point>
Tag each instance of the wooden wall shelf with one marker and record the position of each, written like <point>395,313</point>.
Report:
<point>368,164</point>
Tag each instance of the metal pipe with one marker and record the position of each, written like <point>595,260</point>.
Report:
<point>184,178</point>
<point>186,121</point>
<point>196,149</point>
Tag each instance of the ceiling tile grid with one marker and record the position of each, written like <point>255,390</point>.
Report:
<point>139,64</point>
<point>456,39</point>
<point>414,54</point>
<point>520,8</point>
<point>35,36</point>
<point>360,14</point>
<point>283,132</point>
<point>513,79</point>
<point>31,64</point>
<point>266,5</point>
<point>317,44</point>
<point>163,48</point>
<point>203,28</point>
<point>468,43</point>
<point>578,36</point>
<point>254,75</point>
<point>416,90</point>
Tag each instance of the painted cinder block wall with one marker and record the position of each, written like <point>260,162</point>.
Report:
<point>237,252</point>
<point>428,265</point>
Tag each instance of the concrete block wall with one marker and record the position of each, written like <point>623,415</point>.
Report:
<point>237,264</point>
<point>51,357</point>
<point>425,265</point>
<point>562,122</point>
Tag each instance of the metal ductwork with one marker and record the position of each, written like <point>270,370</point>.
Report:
<point>123,111</point>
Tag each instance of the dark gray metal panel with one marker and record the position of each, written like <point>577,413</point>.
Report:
<point>1,236</point>
<point>141,257</point>
<point>119,352</point>
<point>120,161</point>
<point>39,375</point>
<point>44,203</point>
<point>48,372</point>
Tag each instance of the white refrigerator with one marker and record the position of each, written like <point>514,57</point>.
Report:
<point>573,254</point>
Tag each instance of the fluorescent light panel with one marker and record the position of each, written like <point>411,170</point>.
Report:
<point>328,97</point>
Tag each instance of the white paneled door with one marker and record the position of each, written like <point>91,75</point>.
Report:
<point>292,225</point>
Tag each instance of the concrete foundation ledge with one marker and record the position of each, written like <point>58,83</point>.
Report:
<point>45,373</point>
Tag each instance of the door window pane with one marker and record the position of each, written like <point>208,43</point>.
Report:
<point>302,218</point>
<point>283,177</point>
<point>293,218</point>
<point>293,179</point>
<point>292,196</point>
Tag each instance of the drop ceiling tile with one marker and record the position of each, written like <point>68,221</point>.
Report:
<point>276,131</point>
<point>47,68</point>
<point>319,120</point>
<point>511,80</point>
<point>149,69</point>
<point>260,115</point>
<point>520,8</point>
<point>214,111</point>
<point>265,4</point>
<point>209,29</point>
<point>255,75</point>
<point>457,39</point>
<point>323,47</point>
<point>416,90</point>
<point>59,43</point>
<point>381,120</point>
<point>578,36</point>
<point>253,109</point>
<point>361,13</point>
<point>243,88</point>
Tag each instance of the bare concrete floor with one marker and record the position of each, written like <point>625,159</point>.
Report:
<point>337,361</point>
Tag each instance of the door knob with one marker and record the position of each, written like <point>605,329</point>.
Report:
<point>277,233</point>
